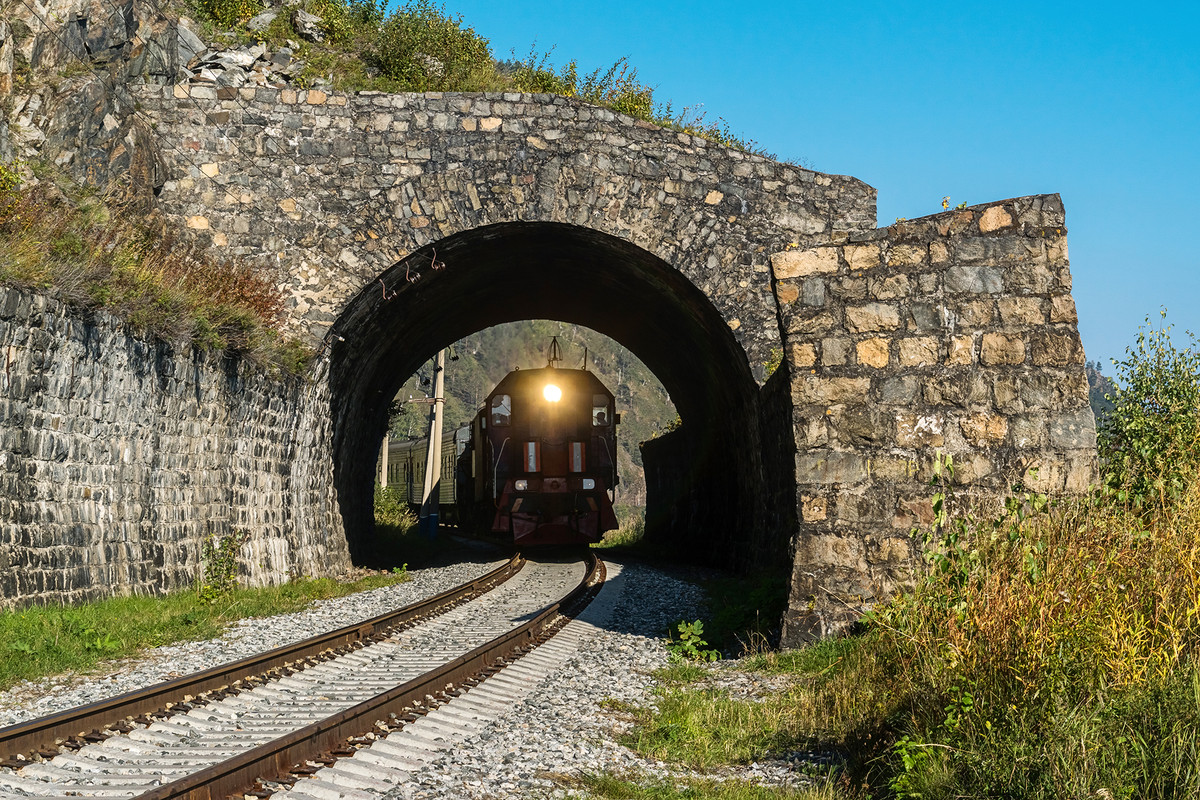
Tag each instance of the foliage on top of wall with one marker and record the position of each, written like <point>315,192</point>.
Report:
<point>64,240</point>
<point>420,47</point>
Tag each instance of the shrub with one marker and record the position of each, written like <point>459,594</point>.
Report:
<point>1051,652</point>
<point>1147,439</point>
<point>425,49</point>
<point>392,511</point>
<point>230,12</point>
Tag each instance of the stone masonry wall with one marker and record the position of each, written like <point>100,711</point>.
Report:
<point>954,333</point>
<point>120,454</point>
<point>336,188</point>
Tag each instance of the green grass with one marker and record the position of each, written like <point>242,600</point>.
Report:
<point>50,640</point>
<point>641,788</point>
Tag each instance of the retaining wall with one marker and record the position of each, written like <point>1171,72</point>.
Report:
<point>119,454</point>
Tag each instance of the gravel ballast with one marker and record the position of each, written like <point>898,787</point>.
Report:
<point>32,699</point>
<point>561,731</point>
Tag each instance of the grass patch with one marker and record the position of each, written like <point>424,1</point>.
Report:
<point>1052,651</point>
<point>606,785</point>
<point>705,728</point>
<point>841,695</point>
<point>629,536</point>
<point>397,542</point>
<point>68,242</point>
<point>679,673</point>
<point>51,640</point>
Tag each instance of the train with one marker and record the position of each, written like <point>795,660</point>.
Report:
<point>537,465</point>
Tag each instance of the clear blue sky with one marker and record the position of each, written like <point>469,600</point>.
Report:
<point>1098,101</point>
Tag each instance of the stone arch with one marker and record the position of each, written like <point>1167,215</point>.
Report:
<point>523,270</point>
<point>341,187</point>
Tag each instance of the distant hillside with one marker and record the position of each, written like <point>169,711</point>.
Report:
<point>1098,387</point>
<point>486,357</point>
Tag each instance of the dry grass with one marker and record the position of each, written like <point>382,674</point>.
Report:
<point>83,252</point>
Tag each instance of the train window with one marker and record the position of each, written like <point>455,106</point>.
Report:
<point>501,409</point>
<point>600,413</point>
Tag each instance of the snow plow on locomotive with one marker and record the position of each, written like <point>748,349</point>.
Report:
<point>537,464</point>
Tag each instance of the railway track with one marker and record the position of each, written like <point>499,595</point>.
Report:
<point>323,699</point>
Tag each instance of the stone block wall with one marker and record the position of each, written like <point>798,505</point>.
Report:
<point>119,454</point>
<point>955,334</point>
<point>336,188</point>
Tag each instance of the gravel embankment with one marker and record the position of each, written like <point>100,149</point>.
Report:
<point>562,730</point>
<point>244,638</point>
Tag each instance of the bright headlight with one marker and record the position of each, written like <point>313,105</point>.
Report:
<point>552,393</point>
<point>589,483</point>
<point>521,485</point>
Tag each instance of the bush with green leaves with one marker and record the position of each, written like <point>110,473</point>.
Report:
<point>230,12</point>
<point>427,50</point>
<point>689,643</point>
<point>1147,439</point>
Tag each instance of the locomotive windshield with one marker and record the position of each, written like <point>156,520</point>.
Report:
<point>501,409</point>
<point>600,413</point>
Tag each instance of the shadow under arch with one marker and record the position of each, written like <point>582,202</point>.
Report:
<point>535,270</point>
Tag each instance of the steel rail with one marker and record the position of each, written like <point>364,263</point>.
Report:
<point>78,725</point>
<point>278,759</point>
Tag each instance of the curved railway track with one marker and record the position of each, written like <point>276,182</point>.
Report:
<point>264,722</point>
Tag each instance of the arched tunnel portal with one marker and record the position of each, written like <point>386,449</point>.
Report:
<point>513,271</point>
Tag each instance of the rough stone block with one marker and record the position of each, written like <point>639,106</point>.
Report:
<point>787,292</point>
<point>901,391</point>
<point>862,256</point>
<point>913,512</point>
<point>813,509</point>
<point>984,430</point>
<point>914,430</point>
<point>1073,430</point>
<point>872,317</point>
<point>873,352</point>
<point>905,256</point>
<point>999,349</point>
<point>1056,348</point>
<point>835,352</point>
<point>918,351</point>
<point>1062,309</point>
<point>962,350</point>
<point>815,390</point>
<point>974,280</point>
<point>889,288</point>
<point>1017,312</point>
<point>994,219</point>
<point>814,292</point>
<point>802,263</point>
<point>804,355</point>
<point>830,468</point>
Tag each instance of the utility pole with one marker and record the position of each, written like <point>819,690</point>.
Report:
<point>431,492</point>
<point>383,459</point>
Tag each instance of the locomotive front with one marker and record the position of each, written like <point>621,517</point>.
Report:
<point>550,440</point>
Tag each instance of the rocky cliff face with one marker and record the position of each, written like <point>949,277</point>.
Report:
<point>65,69</point>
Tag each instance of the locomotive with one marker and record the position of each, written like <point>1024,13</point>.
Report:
<point>538,463</point>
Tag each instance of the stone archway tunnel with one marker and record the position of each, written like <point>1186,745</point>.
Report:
<point>952,333</point>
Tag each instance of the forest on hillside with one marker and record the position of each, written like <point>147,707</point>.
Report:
<point>477,363</point>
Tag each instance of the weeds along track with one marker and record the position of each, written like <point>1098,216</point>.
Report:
<point>241,729</point>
